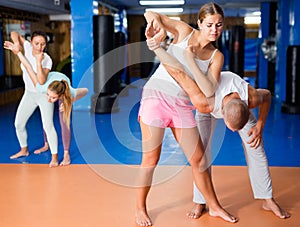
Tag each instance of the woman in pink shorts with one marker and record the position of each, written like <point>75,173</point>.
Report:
<point>165,104</point>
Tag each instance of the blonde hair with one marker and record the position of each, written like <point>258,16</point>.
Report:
<point>62,89</point>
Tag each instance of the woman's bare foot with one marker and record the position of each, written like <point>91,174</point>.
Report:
<point>54,161</point>
<point>21,153</point>
<point>142,218</point>
<point>42,149</point>
<point>220,212</point>
<point>196,211</point>
<point>271,205</point>
<point>67,160</point>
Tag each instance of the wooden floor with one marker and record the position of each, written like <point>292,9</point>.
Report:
<point>86,195</point>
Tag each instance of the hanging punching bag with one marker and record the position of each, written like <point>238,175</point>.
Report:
<point>146,67</point>
<point>292,103</point>
<point>120,41</point>
<point>104,82</point>
<point>237,49</point>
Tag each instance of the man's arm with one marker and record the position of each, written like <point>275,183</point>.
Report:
<point>176,70</point>
<point>260,98</point>
<point>207,83</point>
<point>198,99</point>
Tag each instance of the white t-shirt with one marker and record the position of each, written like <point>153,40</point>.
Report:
<point>229,83</point>
<point>46,63</point>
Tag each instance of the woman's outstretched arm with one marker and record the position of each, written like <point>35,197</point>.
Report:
<point>15,48</point>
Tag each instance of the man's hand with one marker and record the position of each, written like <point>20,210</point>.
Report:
<point>256,134</point>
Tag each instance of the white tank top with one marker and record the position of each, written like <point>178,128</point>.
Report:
<point>161,79</point>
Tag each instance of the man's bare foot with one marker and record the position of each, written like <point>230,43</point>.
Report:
<point>220,212</point>
<point>67,160</point>
<point>196,211</point>
<point>42,149</point>
<point>54,161</point>
<point>21,153</point>
<point>271,205</point>
<point>142,218</point>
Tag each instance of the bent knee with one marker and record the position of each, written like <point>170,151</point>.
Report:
<point>19,125</point>
<point>49,128</point>
<point>150,161</point>
<point>199,165</point>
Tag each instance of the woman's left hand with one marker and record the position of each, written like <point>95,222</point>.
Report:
<point>61,107</point>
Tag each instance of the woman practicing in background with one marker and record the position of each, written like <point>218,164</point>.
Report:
<point>41,64</point>
<point>165,104</point>
<point>57,87</point>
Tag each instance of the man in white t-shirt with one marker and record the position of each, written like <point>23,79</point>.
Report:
<point>232,101</point>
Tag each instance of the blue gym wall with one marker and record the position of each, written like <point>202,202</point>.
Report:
<point>287,33</point>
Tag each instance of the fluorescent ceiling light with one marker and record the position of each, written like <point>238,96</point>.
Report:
<point>148,3</point>
<point>95,3</point>
<point>165,10</point>
<point>256,13</point>
<point>95,11</point>
<point>252,20</point>
<point>60,17</point>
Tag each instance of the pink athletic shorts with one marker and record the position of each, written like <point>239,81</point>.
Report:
<point>175,113</point>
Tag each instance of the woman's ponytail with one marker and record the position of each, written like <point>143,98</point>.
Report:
<point>62,89</point>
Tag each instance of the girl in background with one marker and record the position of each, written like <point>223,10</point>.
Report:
<point>57,87</point>
<point>41,64</point>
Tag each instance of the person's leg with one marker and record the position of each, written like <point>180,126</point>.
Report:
<point>259,171</point>
<point>25,109</point>
<point>206,125</point>
<point>46,109</point>
<point>189,140</point>
<point>45,147</point>
<point>66,138</point>
<point>151,141</point>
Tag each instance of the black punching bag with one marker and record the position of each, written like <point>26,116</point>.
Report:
<point>120,41</point>
<point>236,50</point>
<point>146,67</point>
<point>104,82</point>
<point>292,103</point>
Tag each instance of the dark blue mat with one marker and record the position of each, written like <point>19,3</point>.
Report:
<point>116,139</point>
